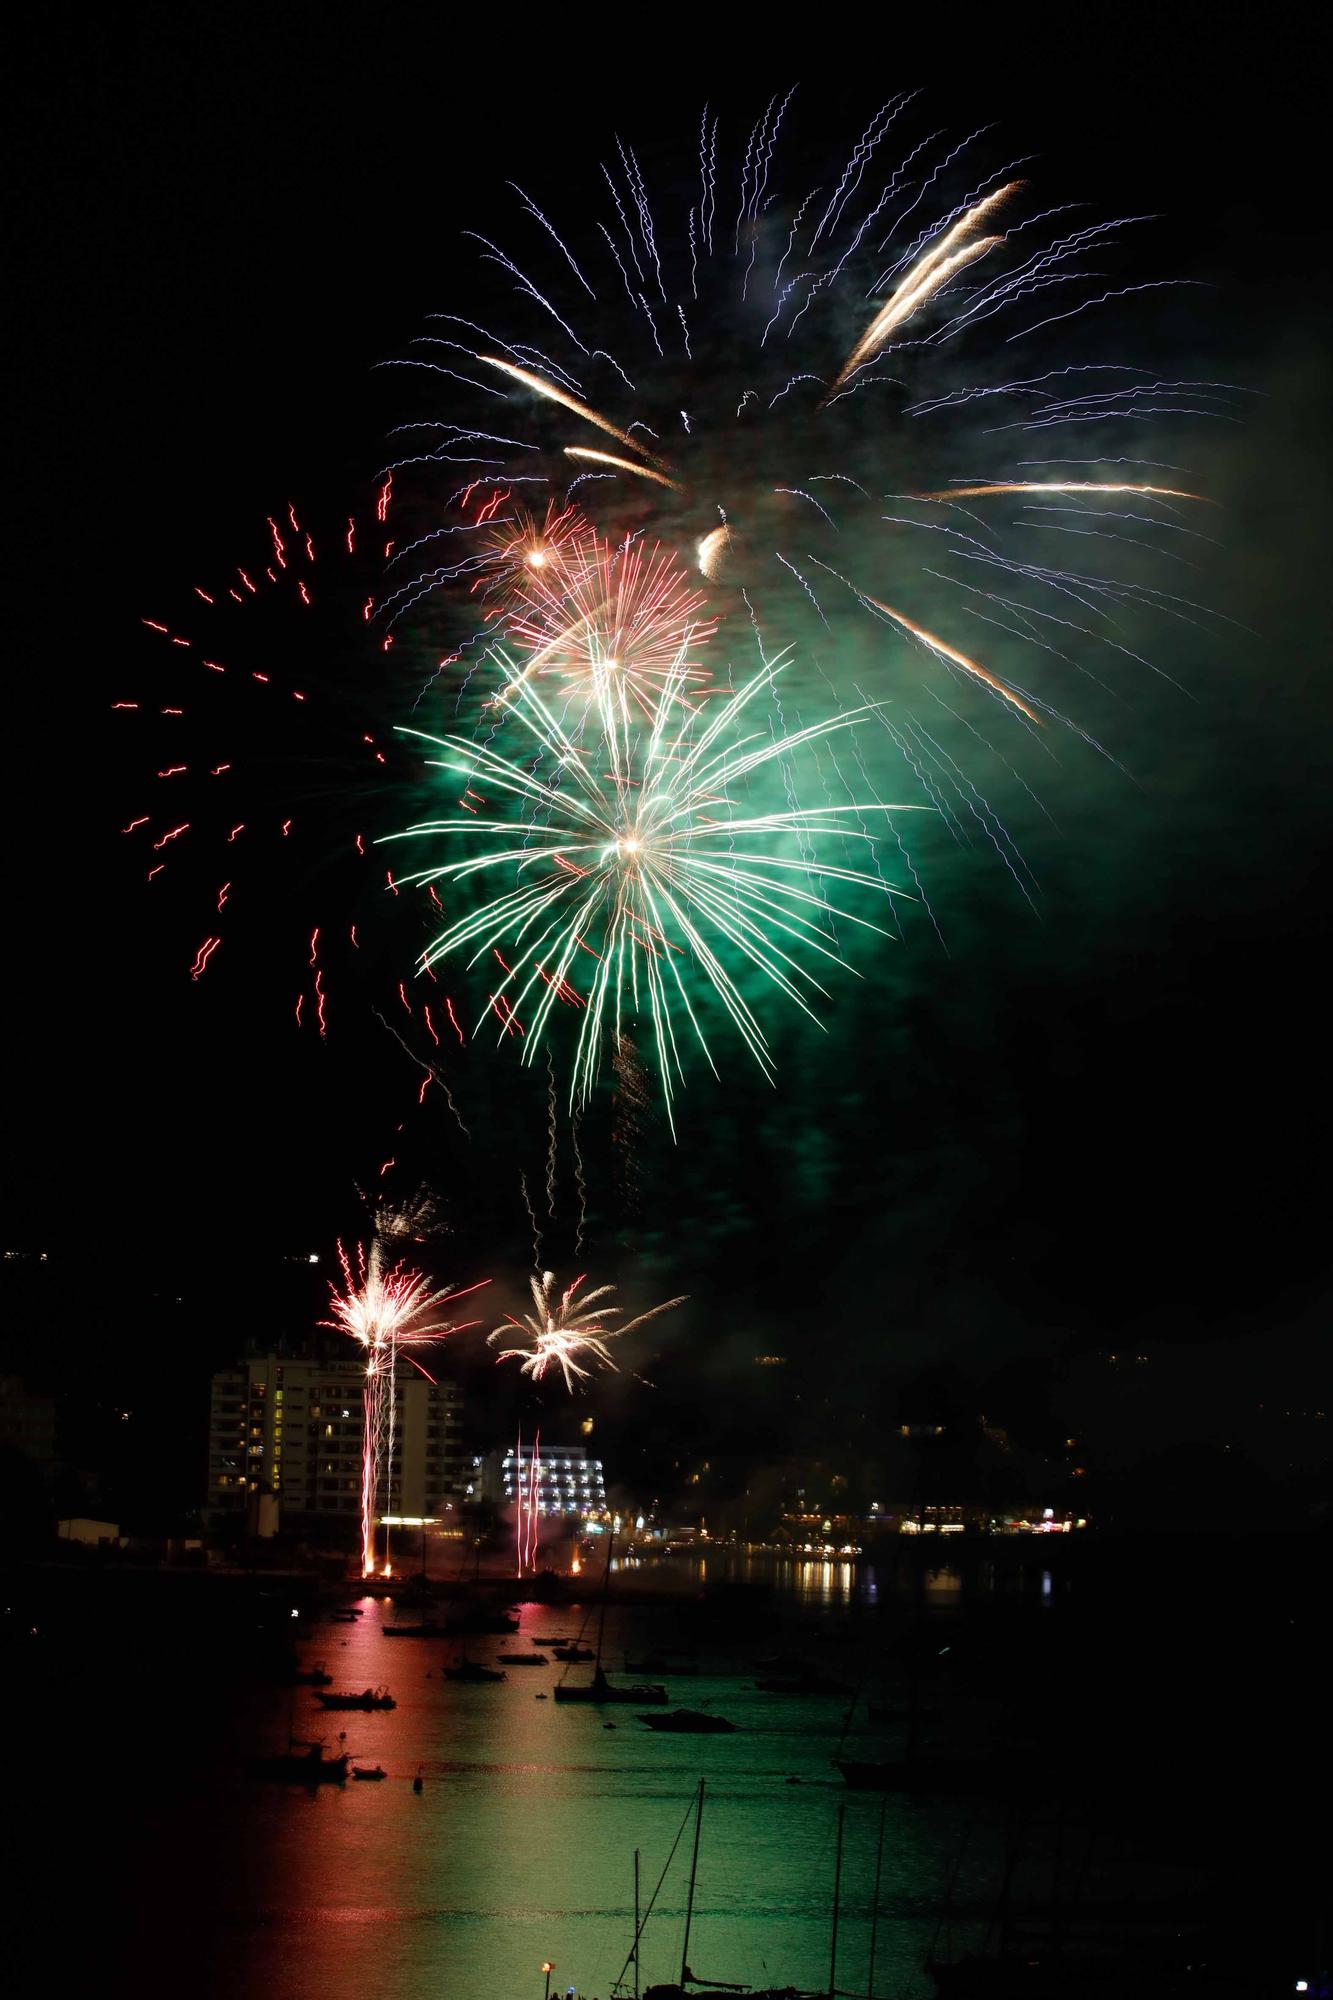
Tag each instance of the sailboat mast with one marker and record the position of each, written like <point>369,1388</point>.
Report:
<point>636,1924</point>
<point>601,1615</point>
<point>874,1907</point>
<point>689,1903</point>
<point>837,1888</point>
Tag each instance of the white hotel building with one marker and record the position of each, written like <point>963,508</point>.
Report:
<point>568,1481</point>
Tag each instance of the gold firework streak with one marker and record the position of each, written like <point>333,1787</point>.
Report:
<point>951,653</point>
<point>711,552</point>
<point>931,271</point>
<point>1059,486</point>
<point>542,387</point>
<point>622,464</point>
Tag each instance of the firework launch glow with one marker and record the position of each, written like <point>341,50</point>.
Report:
<point>388,1310</point>
<point>566,1328</point>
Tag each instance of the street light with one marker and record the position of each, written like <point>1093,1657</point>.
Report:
<point>548,1968</point>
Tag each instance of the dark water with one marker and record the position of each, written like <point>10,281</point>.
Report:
<point>142,1846</point>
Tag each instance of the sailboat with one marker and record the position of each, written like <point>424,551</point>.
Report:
<point>689,1986</point>
<point>599,1689</point>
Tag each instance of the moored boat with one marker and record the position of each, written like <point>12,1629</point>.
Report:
<point>690,1986</point>
<point>471,1670</point>
<point>600,1689</point>
<point>311,1767</point>
<point>368,1699</point>
<point>690,1722</point>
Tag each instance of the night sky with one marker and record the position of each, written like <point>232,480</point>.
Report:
<point>1101,1122</point>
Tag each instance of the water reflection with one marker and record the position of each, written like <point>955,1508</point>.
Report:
<point>520,1846</point>
<point>819,1581</point>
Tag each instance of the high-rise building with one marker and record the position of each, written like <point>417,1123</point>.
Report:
<point>27,1422</point>
<point>293,1430</point>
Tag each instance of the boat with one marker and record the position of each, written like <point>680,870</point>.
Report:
<point>368,1698</point>
<point>600,1689</point>
<point>689,1986</point>
<point>289,1674</point>
<point>521,1659</point>
<point>369,1775</point>
<point>345,1614</point>
<point>545,1588</point>
<point>311,1767</point>
<point>690,1722</point>
<point>538,1640</point>
<point>469,1670</point>
<point>574,1653</point>
<point>426,1630</point>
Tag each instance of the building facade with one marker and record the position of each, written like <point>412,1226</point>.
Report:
<point>568,1481</point>
<point>290,1432</point>
<point>27,1422</point>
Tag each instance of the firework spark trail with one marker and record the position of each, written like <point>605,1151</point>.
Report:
<point>551,1135</point>
<point>212,666</point>
<point>815,241</point>
<point>585,452</point>
<point>579,1181</point>
<point>1057,486</point>
<point>612,624</point>
<point>950,253</point>
<point>541,387</point>
<point>530,1206</point>
<point>534,1500</point>
<point>652,936</point>
<point>646,868</point>
<point>433,1072</point>
<point>386,1309</point>
<point>527,1506</point>
<point>518,1503</point>
<point>567,1328</point>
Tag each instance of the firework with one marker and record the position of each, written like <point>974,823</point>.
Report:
<point>709,377</point>
<point>865,419</point>
<point>527,1497</point>
<point>633,873</point>
<point>520,551</point>
<point>387,1310</point>
<point>614,626</point>
<point>568,1328</point>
